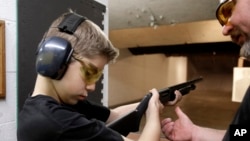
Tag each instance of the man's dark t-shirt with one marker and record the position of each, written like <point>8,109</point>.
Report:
<point>242,117</point>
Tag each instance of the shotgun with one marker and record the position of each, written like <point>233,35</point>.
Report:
<point>130,122</point>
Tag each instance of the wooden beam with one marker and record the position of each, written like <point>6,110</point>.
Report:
<point>185,33</point>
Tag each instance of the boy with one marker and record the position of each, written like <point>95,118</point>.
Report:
<point>70,60</point>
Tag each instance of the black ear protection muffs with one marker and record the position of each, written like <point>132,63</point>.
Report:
<point>54,53</point>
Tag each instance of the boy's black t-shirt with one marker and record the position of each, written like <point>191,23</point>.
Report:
<point>241,119</point>
<point>43,119</point>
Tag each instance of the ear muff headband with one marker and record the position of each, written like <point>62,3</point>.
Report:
<point>54,53</point>
<point>70,23</point>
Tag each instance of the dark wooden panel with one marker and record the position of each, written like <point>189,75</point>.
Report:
<point>188,49</point>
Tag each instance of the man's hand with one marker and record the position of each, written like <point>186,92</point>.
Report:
<point>179,130</point>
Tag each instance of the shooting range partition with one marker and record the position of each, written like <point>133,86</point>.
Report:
<point>34,18</point>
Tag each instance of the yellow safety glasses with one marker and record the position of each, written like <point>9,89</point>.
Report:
<point>224,11</point>
<point>90,73</point>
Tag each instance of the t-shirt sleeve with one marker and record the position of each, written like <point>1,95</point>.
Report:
<point>92,110</point>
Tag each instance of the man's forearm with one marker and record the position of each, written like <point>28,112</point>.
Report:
<point>207,134</point>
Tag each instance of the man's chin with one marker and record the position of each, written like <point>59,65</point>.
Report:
<point>245,50</point>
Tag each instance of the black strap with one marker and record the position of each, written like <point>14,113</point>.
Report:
<point>70,23</point>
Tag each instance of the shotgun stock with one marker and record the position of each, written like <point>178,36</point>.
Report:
<point>131,121</point>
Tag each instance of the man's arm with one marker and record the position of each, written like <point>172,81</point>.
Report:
<point>184,129</point>
<point>208,134</point>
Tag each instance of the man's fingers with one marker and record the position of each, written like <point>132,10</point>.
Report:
<point>167,127</point>
<point>179,112</point>
<point>166,120</point>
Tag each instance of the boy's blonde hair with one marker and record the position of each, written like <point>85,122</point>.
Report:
<point>87,41</point>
